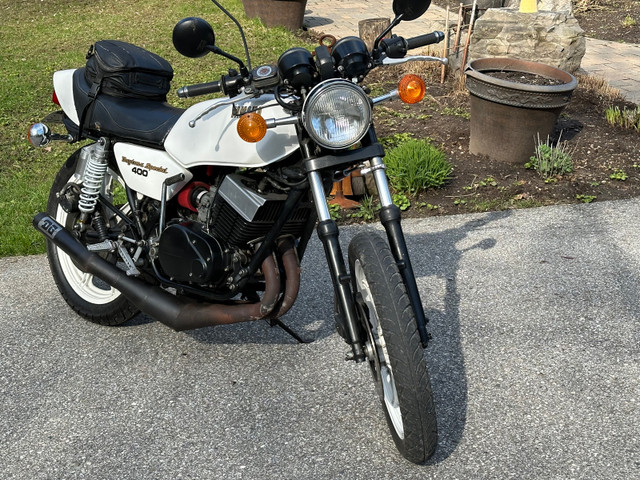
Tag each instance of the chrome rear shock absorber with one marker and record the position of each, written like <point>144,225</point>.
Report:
<point>93,177</point>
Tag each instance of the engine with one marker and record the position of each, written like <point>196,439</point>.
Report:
<point>231,220</point>
<point>189,254</point>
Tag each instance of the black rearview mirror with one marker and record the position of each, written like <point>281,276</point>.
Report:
<point>193,36</point>
<point>410,9</point>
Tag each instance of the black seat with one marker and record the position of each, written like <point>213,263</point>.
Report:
<point>138,120</point>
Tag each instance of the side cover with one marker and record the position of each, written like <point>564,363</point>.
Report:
<point>214,140</point>
<point>145,169</point>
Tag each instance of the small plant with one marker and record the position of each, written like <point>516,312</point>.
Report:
<point>488,182</point>
<point>401,201</point>
<point>582,6</point>
<point>550,161</point>
<point>456,112</point>
<point>629,21</point>
<point>459,201</point>
<point>619,175</point>
<point>367,210</point>
<point>392,141</point>
<point>586,198</point>
<point>627,118</point>
<point>426,205</point>
<point>599,87</point>
<point>416,165</point>
<point>334,211</point>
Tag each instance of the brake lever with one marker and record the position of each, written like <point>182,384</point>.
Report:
<point>223,103</point>
<point>414,58</point>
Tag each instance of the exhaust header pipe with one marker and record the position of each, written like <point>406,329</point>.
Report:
<point>177,313</point>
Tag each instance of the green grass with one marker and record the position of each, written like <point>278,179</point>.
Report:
<point>39,37</point>
<point>416,165</point>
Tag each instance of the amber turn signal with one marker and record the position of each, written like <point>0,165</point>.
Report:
<point>411,89</point>
<point>252,127</point>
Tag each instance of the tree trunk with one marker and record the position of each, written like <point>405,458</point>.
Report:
<point>370,28</point>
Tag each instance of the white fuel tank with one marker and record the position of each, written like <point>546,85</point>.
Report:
<point>214,139</point>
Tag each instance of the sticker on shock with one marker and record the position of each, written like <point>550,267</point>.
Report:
<point>49,227</point>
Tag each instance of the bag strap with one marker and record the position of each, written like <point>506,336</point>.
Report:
<point>93,93</point>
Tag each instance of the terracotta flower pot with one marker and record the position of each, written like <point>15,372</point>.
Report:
<point>277,13</point>
<point>508,116</point>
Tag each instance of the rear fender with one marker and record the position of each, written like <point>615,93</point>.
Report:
<point>63,86</point>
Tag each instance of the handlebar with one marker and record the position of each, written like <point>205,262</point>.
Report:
<point>199,89</point>
<point>424,40</point>
<point>391,50</point>
<point>396,47</point>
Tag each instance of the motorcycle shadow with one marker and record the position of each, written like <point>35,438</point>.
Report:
<point>436,259</point>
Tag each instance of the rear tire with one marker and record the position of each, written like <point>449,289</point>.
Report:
<point>89,296</point>
<point>393,348</point>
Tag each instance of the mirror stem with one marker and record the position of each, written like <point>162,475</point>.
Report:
<point>393,24</point>
<point>217,51</point>
<point>244,40</point>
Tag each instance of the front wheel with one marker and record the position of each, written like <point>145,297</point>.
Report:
<point>393,347</point>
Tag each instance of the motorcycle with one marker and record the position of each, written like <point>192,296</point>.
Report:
<point>201,216</point>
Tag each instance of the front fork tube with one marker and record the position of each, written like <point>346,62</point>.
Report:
<point>390,219</point>
<point>328,234</point>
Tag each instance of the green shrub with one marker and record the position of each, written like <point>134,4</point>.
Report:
<point>550,161</point>
<point>416,165</point>
<point>628,118</point>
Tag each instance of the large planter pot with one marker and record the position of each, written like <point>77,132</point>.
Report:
<point>508,116</point>
<point>277,13</point>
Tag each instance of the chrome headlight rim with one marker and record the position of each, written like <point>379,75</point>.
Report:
<point>328,87</point>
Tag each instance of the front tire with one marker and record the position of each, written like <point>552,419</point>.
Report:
<point>393,348</point>
<point>89,296</point>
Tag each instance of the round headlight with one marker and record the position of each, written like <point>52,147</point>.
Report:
<point>337,114</point>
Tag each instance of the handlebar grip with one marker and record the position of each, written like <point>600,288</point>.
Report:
<point>423,40</point>
<point>199,89</point>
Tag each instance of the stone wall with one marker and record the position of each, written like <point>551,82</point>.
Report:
<point>552,37</point>
<point>545,5</point>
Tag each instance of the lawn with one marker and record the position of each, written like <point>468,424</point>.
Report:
<point>39,37</point>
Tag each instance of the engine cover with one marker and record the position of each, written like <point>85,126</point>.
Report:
<point>188,254</point>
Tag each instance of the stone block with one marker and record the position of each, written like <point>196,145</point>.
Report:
<point>553,38</point>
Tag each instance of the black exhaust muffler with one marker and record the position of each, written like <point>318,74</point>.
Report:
<point>175,312</point>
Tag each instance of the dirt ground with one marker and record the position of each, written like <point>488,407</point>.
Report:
<point>605,158</point>
<point>616,20</point>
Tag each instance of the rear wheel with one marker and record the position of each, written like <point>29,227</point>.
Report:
<point>89,296</point>
<point>393,347</point>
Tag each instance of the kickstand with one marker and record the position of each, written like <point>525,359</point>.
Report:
<point>275,322</point>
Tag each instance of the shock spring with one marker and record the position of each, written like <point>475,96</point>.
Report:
<point>93,176</point>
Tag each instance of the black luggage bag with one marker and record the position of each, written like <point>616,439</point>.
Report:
<point>121,69</point>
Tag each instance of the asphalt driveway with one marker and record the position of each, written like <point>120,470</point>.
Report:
<point>535,365</point>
